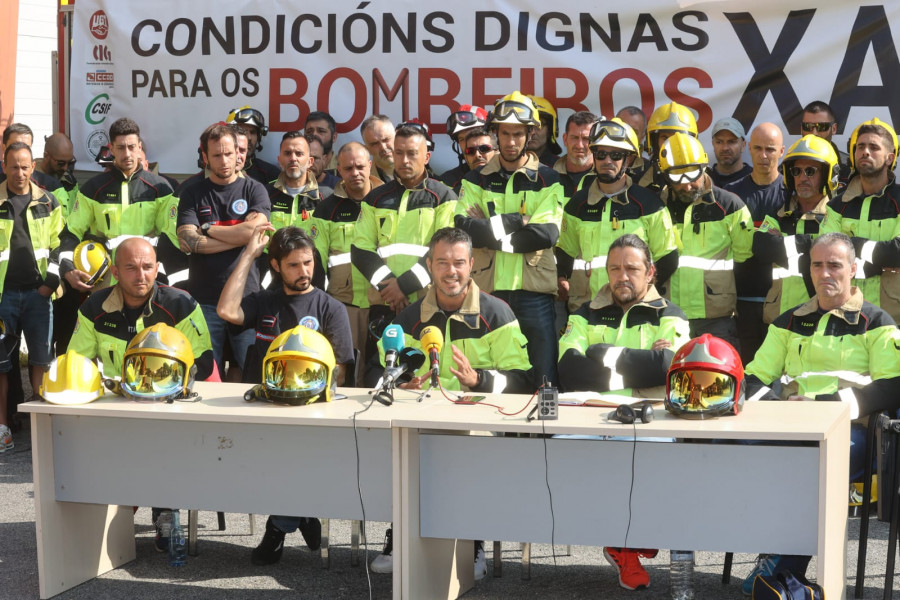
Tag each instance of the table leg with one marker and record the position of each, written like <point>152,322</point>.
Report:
<point>834,481</point>
<point>75,542</point>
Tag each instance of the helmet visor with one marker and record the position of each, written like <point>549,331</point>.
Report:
<point>298,377</point>
<point>464,118</point>
<point>522,112</point>
<point>701,391</point>
<point>145,376</point>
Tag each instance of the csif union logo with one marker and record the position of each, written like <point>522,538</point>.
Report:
<point>99,24</point>
<point>98,109</point>
<point>102,53</point>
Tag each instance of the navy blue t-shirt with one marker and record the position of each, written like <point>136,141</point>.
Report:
<point>754,278</point>
<point>720,180</point>
<point>271,312</point>
<point>208,202</point>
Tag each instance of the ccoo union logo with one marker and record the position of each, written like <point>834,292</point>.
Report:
<point>97,109</point>
<point>99,25</point>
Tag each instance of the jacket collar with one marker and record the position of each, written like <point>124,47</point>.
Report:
<point>115,302</point>
<point>651,299</point>
<point>529,169</point>
<point>311,184</point>
<point>793,206</point>
<point>596,195</point>
<point>469,313</point>
<point>37,194</point>
<point>849,311</point>
<point>854,189</point>
<point>340,189</point>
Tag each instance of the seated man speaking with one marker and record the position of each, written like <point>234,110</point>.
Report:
<point>483,351</point>
<point>624,338</point>
<point>835,347</point>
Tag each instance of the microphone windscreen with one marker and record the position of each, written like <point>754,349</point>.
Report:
<point>432,338</point>
<point>412,358</point>
<point>392,338</point>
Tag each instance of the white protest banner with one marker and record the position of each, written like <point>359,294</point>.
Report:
<point>176,67</point>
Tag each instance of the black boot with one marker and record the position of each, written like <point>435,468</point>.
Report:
<point>311,528</point>
<point>270,548</point>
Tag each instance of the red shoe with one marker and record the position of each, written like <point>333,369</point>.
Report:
<point>632,575</point>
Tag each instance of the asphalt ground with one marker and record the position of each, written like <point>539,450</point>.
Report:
<point>223,568</point>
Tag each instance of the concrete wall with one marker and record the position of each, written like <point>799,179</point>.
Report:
<point>34,78</point>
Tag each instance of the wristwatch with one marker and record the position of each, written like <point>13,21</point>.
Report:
<point>204,229</point>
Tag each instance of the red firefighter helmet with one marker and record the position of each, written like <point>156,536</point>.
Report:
<point>705,379</point>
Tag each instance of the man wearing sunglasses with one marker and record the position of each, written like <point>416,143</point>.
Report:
<point>867,211</point>
<point>783,240</point>
<point>512,209</point>
<point>715,230</point>
<point>542,140</point>
<point>819,120</point>
<point>763,193</point>
<point>611,207</point>
<point>59,162</point>
<point>459,124</point>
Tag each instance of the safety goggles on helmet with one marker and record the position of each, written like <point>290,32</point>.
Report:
<point>248,116</point>
<point>71,379</point>
<point>158,365</point>
<point>705,379</point>
<point>687,176</point>
<point>523,113</point>
<point>420,128</point>
<point>467,117</point>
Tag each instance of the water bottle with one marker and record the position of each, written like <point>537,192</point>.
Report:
<point>681,574</point>
<point>177,543</point>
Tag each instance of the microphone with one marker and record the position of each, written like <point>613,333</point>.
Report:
<point>408,361</point>
<point>432,341</point>
<point>392,342</point>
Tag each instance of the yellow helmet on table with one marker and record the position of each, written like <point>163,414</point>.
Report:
<point>158,365</point>
<point>71,379</point>
<point>298,369</point>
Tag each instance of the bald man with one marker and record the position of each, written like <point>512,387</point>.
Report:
<point>136,302</point>
<point>59,157</point>
<point>335,221</point>
<point>764,192</point>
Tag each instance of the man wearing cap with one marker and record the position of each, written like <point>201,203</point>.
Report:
<point>728,146</point>
<point>764,193</point>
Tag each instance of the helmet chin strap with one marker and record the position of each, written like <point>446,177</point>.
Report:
<point>604,178</point>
